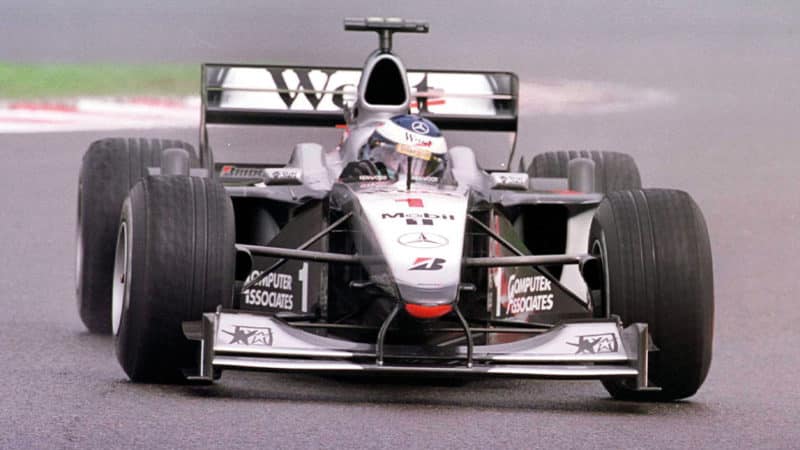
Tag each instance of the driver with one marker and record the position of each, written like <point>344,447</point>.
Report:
<point>407,138</point>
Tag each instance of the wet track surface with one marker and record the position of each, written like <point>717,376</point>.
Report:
<point>730,138</point>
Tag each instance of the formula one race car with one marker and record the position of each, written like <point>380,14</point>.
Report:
<point>396,249</point>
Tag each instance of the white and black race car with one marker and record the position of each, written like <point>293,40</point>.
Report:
<point>388,251</point>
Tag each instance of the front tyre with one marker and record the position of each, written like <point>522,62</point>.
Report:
<point>657,262</point>
<point>175,260</point>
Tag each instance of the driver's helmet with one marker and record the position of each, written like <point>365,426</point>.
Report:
<point>406,138</point>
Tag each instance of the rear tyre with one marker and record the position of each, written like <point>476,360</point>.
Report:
<point>110,168</point>
<point>175,260</point>
<point>657,262</point>
<point>613,171</point>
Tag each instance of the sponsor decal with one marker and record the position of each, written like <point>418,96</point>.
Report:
<point>420,127</point>
<point>372,178</point>
<point>528,294</point>
<point>596,343</point>
<point>274,291</point>
<point>415,151</point>
<point>411,202</point>
<point>250,335</point>
<point>429,179</point>
<point>314,93</point>
<point>414,140</point>
<point>422,240</point>
<point>371,184</point>
<point>318,84</point>
<point>418,218</point>
<point>278,290</point>
<point>427,264</point>
<point>241,172</point>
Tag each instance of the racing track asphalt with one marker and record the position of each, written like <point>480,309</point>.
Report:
<point>731,140</point>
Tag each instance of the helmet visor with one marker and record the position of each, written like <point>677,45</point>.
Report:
<point>396,158</point>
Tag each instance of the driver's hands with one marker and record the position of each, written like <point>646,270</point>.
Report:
<point>357,169</point>
<point>366,167</point>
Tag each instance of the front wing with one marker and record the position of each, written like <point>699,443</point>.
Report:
<point>597,349</point>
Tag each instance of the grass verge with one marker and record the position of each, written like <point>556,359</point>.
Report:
<point>35,81</point>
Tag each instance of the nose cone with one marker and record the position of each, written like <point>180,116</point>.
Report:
<point>420,234</point>
<point>429,295</point>
<point>427,311</point>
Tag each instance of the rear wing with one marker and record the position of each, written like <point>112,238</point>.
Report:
<point>319,97</point>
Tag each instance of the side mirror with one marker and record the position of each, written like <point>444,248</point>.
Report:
<point>516,181</point>
<point>283,176</point>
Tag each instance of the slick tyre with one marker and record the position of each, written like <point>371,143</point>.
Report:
<point>613,171</point>
<point>657,264</point>
<point>110,168</point>
<point>174,260</point>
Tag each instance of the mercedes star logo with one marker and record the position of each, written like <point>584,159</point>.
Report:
<point>420,127</point>
<point>423,240</point>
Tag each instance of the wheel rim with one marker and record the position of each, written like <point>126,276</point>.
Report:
<point>79,245</point>
<point>120,280</point>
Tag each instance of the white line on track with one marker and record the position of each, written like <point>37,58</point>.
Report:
<point>98,114</point>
